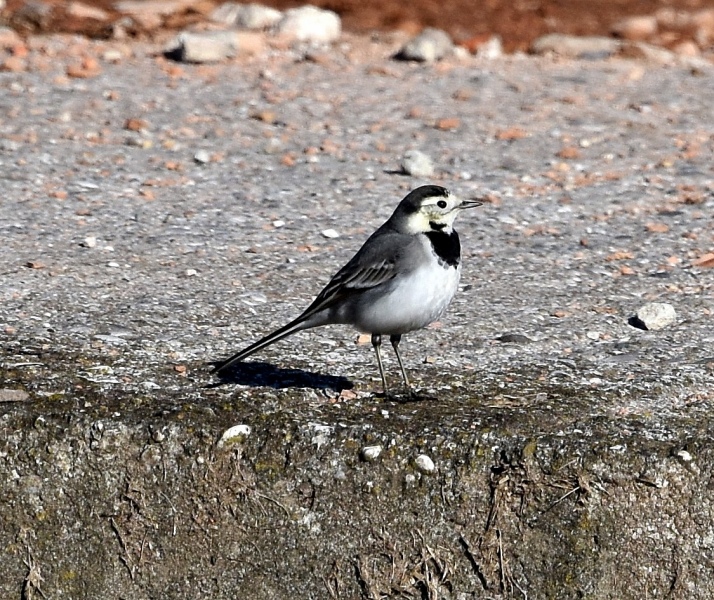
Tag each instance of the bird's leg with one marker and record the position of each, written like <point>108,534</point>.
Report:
<point>377,342</point>
<point>395,339</point>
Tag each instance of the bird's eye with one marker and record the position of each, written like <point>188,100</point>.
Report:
<point>441,203</point>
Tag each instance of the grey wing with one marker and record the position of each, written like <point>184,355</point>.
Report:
<point>375,264</point>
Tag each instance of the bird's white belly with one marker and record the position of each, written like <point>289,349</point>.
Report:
<point>412,302</point>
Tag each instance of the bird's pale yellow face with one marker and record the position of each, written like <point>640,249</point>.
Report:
<point>434,211</point>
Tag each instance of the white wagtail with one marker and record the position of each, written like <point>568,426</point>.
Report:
<point>402,278</point>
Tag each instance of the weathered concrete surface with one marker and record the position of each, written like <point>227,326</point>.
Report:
<point>127,496</point>
<point>573,452</point>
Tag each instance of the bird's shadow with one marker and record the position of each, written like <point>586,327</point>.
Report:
<point>262,374</point>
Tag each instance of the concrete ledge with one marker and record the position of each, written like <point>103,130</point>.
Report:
<point>124,497</point>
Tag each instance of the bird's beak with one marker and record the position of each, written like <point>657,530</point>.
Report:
<point>470,203</point>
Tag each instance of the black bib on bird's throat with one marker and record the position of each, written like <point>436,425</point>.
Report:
<point>446,246</point>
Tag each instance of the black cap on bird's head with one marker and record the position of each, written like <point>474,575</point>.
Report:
<point>414,200</point>
<point>428,208</point>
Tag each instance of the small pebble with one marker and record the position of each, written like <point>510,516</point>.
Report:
<point>492,49</point>
<point>654,316</point>
<point>202,157</point>
<point>112,55</point>
<point>684,455</point>
<point>234,435</point>
<point>574,46</point>
<point>424,463</point>
<point>330,233</point>
<point>212,46</point>
<point>13,395</point>
<point>203,46</point>
<point>417,164</point>
<point>310,24</point>
<point>429,46</point>
<point>370,453</point>
<point>256,16</point>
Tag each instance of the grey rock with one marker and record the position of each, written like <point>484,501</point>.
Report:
<point>246,16</point>
<point>257,16</point>
<point>417,164</point>
<point>654,316</point>
<point>202,157</point>
<point>429,46</point>
<point>151,13</point>
<point>310,24</point>
<point>572,46</point>
<point>12,395</point>
<point>424,463</point>
<point>213,46</point>
<point>226,14</point>
<point>371,453</point>
<point>209,46</point>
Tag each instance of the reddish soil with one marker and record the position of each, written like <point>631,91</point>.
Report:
<point>518,22</point>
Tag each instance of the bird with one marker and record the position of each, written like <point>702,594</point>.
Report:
<point>401,279</point>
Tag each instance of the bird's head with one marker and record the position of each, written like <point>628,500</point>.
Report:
<point>429,208</point>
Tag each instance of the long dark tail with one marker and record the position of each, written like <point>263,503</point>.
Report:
<point>294,326</point>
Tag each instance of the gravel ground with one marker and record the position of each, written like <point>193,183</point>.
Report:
<point>156,217</point>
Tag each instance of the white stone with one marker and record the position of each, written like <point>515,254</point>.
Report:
<point>684,455</point>
<point>310,24</point>
<point>202,157</point>
<point>424,463</point>
<point>246,16</point>
<point>257,16</point>
<point>112,55</point>
<point>656,315</point>
<point>150,14</point>
<point>214,46</point>
<point>430,45</point>
<point>574,46</point>
<point>80,10</point>
<point>417,164</point>
<point>226,13</point>
<point>234,435</point>
<point>492,49</point>
<point>330,233</point>
<point>202,47</point>
<point>370,453</point>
